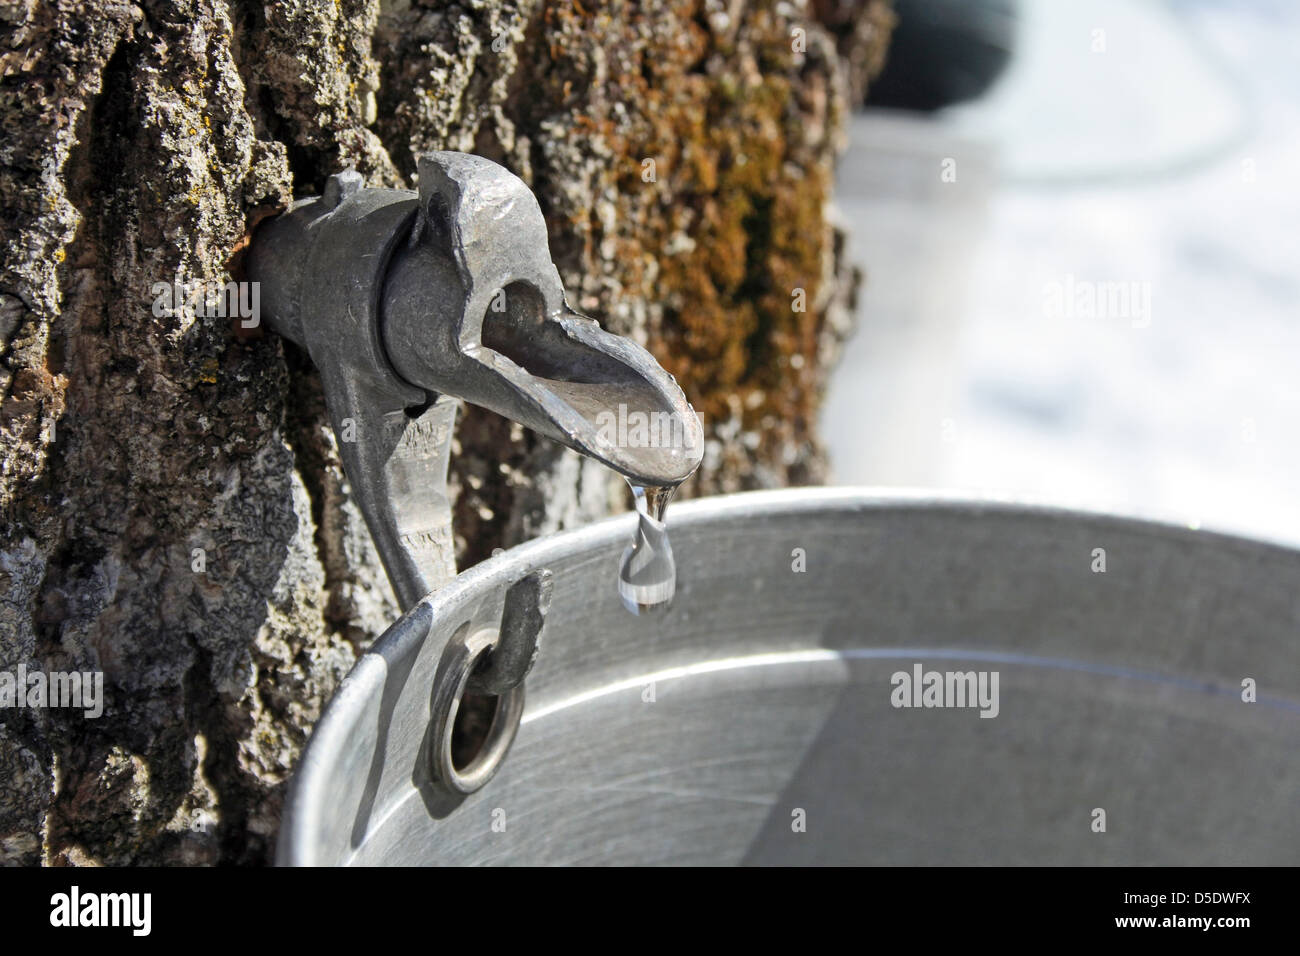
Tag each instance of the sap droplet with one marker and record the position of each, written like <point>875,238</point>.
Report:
<point>647,574</point>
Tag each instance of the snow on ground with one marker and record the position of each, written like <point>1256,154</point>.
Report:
<point>1104,308</point>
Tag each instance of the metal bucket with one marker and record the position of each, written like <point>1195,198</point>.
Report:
<point>1147,713</point>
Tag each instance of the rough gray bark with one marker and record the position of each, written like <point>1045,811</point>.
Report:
<point>141,141</point>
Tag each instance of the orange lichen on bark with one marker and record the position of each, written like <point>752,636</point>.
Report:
<point>719,174</point>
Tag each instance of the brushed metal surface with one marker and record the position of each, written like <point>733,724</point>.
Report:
<point>771,695</point>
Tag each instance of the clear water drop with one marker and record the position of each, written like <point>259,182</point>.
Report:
<point>647,574</point>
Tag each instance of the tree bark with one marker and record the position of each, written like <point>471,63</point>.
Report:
<point>141,143</point>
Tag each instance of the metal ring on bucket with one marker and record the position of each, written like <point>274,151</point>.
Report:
<point>463,654</point>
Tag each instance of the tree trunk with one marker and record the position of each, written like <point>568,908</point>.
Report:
<point>175,515</point>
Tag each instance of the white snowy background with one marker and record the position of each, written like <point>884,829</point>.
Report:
<point>1169,157</point>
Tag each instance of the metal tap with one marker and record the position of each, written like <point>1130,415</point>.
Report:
<point>406,302</point>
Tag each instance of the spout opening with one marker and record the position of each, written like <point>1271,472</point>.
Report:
<point>608,397</point>
<point>516,326</point>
